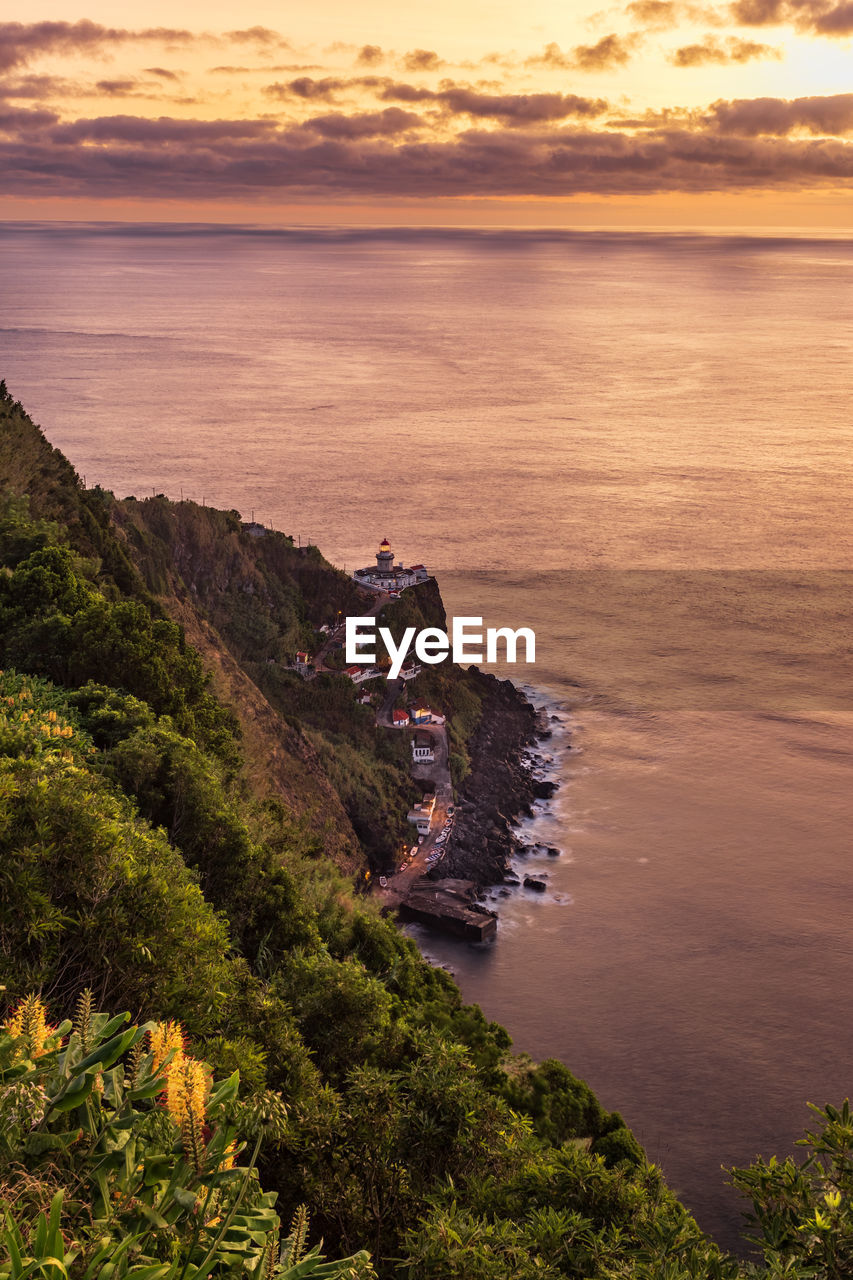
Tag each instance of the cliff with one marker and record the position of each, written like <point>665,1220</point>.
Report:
<point>498,788</point>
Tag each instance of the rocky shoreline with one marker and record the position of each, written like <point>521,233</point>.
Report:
<point>501,788</point>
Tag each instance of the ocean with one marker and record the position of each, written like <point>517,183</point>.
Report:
<point>638,445</point>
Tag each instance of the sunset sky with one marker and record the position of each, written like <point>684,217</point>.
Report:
<point>656,112</point>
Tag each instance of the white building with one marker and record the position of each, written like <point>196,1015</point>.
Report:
<point>421,814</point>
<point>388,576</point>
<point>360,674</point>
<point>422,749</point>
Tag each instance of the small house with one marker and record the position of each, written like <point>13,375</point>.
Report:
<point>422,749</point>
<point>399,719</point>
<point>358,674</point>
<point>420,814</point>
<point>422,714</point>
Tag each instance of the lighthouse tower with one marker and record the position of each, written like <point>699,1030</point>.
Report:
<point>385,559</point>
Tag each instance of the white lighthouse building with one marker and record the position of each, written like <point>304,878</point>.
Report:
<point>388,576</point>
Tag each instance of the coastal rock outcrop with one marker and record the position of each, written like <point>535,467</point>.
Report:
<point>500,787</point>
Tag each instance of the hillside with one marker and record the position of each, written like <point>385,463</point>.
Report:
<point>179,828</point>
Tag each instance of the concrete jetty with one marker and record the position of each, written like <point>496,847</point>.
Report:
<point>451,907</point>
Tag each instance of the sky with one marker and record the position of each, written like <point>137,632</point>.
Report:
<point>515,112</point>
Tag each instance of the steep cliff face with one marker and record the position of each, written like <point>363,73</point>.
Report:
<point>246,603</point>
<point>249,603</point>
<point>499,787</point>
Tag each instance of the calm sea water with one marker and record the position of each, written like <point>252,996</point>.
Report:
<point>638,445</point>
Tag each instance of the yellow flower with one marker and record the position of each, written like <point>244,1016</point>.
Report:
<point>187,1091</point>
<point>163,1040</point>
<point>29,1020</point>
<point>186,1097</point>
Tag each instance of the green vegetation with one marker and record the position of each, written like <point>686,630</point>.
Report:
<point>267,599</point>
<point>119,1158</point>
<point>458,693</point>
<point>152,854</point>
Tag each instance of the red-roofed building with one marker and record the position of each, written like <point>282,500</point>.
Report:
<point>357,674</point>
<point>399,719</point>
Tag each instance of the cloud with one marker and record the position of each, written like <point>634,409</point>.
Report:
<point>366,134</point>
<point>518,108</point>
<point>712,50</point>
<point>666,118</point>
<point>835,21</point>
<point>452,99</point>
<point>422,60</point>
<point>117,88</point>
<point>820,17</point>
<point>551,58</point>
<point>777,116</point>
<point>366,124</point>
<point>396,91</point>
<point>165,130</point>
<point>20,42</point>
<point>663,15</point>
<point>21,121</point>
<point>41,86</point>
<point>609,52</point>
<point>654,15</point>
<point>265,69</point>
<point>370,55</point>
<point>308,88</point>
<point>236,159</point>
<point>257,35</point>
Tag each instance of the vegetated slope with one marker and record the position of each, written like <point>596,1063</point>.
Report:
<point>135,861</point>
<point>30,465</point>
<point>249,603</point>
<point>244,603</point>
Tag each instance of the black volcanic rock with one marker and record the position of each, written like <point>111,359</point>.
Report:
<point>501,786</point>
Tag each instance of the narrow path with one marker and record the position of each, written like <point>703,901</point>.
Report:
<point>437,777</point>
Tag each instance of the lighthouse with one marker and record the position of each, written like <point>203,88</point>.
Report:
<point>388,576</point>
<point>385,559</point>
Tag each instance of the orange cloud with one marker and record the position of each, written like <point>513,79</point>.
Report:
<point>713,50</point>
